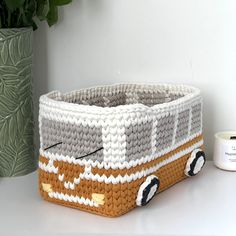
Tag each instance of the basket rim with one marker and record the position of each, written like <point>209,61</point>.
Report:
<point>49,99</point>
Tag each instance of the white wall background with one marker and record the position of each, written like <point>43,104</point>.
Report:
<point>110,41</point>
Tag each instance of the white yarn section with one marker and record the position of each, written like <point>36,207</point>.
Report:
<point>113,137</point>
<point>59,111</point>
<point>152,192</point>
<point>76,181</point>
<point>74,199</point>
<point>190,119</point>
<point>83,114</point>
<point>54,99</point>
<point>201,115</point>
<point>154,134</point>
<point>69,185</point>
<point>137,175</point>
<point>175,127</point>
<point>199,165</point>
<point>61,177</point>
<point>50,168</point>
<point>40,128</point>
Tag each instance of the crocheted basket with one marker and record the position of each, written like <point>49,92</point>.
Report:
<point>109,149</point>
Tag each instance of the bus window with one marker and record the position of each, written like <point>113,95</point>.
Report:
<point>165,131</point>
<point>196,118</point>
<point>138,140</point>
<point>182,125</point>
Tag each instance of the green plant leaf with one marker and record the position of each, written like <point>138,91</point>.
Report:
<point>13,4</point>
<point>42,9</point>
<point>62,2</point>
<point>25,13</point>
<point>29,13</point>
<point>52,16</point>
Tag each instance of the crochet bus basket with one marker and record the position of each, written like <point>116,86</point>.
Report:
<point>109,149</point>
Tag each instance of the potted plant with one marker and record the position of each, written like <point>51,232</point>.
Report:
<point>18,19</point>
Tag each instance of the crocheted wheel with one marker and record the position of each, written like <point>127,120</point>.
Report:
<point>195,162</point>
<point>147,190</point>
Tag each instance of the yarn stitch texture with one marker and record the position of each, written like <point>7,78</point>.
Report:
<point>98,145</point>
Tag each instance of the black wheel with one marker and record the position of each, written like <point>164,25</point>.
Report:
<point>195,162</point>
<point>147,190</point>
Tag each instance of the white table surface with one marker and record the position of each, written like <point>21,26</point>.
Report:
<point>202,205</point>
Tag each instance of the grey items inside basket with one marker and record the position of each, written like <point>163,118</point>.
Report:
<point>80,139</point>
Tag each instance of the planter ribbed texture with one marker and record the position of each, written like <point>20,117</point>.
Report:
<point>16,104</point>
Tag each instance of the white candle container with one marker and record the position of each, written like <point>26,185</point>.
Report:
<point>225,150</point>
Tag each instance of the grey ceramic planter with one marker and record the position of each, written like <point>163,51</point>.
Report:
<point>16,105</point>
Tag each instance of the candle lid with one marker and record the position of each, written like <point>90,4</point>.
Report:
<point>226,135</point>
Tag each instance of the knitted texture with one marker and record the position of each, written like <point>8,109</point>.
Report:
<point>98,145</point>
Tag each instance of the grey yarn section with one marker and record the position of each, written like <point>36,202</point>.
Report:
<point>132,98</point>
<point>106,101</point>
<point>173,97</point>
<point>77,140</point>
<point>115,100</point>
<point>98,101</point>
<point>138,140</point>
<point>150,99</point>
<point>165,132</point>
<point>146,97</point>
<point>182,125</point>
<point>196,118</point>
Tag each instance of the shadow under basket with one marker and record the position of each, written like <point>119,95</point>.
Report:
<point>109,149</point>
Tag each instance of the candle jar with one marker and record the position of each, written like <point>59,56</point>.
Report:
<point>225,150</point>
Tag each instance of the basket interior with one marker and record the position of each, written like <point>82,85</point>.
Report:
<point>112,96</point>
